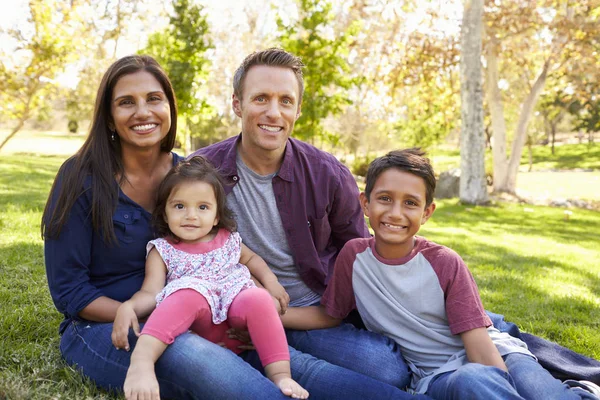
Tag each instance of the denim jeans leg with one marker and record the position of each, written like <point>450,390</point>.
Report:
<point>534,382</point>
<point>331,382</point>
<point>474,382</point>
<point>359,350</point>
<point>191,368</point>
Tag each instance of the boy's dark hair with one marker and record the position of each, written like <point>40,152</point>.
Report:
<point>195,169</point>
<point>410,160</point>
<point>273,57</point>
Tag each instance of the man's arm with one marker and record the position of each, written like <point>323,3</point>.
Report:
<point>480,348</point>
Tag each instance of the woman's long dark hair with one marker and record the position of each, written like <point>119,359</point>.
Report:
<point>100,156</point>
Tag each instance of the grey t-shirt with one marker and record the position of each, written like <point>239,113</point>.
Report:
<point>253,202</point>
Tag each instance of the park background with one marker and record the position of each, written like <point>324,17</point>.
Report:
<point>381,75</point>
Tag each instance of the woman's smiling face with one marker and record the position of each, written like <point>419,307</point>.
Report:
<point>140,111</point>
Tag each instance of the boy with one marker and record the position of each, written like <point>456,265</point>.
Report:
<point>422,295</point>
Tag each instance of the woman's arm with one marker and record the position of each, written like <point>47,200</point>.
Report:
<point>480,348</point>
<point>311,317</point>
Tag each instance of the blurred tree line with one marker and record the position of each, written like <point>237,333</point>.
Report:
<point>380,74</point>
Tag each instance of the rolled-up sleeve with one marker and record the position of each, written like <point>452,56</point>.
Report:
<point>68,260</point>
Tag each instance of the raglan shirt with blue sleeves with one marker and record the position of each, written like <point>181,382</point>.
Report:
<point>81,266</point>
<point>423,301</point>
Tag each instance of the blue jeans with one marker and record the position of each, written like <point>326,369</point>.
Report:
<point>526,379</point>
<point>194,368</point>
<point>359,350</point>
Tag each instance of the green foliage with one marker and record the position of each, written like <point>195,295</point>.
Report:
<point>327,74</point>
<point>429,117</point>
<point>27,74</point>
<point>181,50</point>
<point>360,165</point>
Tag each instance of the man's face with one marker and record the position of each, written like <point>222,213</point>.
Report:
<point>269,107</point>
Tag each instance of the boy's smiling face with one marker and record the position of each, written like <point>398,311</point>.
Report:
<point>396,210</point>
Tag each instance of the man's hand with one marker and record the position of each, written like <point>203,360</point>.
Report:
<point>243,336</point>
<point>125,319</point>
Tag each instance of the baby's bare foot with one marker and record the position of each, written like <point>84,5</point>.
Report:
<point>290,387</point>
<point>140,382</point>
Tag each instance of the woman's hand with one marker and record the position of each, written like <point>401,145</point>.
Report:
<point>279,294</point>
<point>125,319</point>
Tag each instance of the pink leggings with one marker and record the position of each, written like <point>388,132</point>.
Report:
<point>252,309</point>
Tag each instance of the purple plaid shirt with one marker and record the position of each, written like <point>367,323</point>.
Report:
<point>317,200</point>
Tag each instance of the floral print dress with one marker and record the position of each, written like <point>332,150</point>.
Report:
<point>211,268</point>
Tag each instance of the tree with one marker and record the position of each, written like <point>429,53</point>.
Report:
<point>529,40</point>
<point>181,50</point>
<point>42,50</point>
<point>472,148</point>
<point>327,68</point>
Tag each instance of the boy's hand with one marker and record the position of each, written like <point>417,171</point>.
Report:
<point>125,319</point>
<point>279,294</point>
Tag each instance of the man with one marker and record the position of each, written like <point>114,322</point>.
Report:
<point>296,206</point>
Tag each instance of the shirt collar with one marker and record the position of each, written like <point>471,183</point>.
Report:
<point>286,171</point>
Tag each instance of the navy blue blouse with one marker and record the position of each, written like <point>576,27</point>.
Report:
<point>81,266</point>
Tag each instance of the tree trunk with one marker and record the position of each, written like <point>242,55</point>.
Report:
<point>13,133</point>
<point>500,161</point>
<point>530,153</point>
<point>473,188</point>
<point>510,184</point>
<point>553,135</point>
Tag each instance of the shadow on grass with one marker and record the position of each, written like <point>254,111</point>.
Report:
<point>566,157</point>
<point>544,222</point>
<point>515,285</point>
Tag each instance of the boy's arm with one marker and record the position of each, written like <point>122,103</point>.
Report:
<point>311,317</point>
<point>260,271</point>
<point>480,348</point>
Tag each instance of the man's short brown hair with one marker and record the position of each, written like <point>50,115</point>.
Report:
<point>273,57</point>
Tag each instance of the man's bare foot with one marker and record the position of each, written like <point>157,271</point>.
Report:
<point>140,382</point>
<point>290,387</point>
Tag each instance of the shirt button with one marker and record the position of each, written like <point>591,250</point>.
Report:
<point>235,178</point>
<point>126,216</point>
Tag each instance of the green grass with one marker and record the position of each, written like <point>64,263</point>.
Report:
<point>30,363</point>
<point>565,157</point>
<point>531,265</point>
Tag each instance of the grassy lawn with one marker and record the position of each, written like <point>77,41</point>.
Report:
<point>565,157</point>
<point>531,264</point>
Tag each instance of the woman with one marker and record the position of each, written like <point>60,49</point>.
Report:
<point>96,225</point>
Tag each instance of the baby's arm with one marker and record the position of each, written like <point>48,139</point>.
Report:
<point>480,348</point>
<point>311,317</point>
<point>261,271</point>
<point>141,303</point>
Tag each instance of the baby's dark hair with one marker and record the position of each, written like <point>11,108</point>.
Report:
<point>195,169</point>
<point>410,160</point>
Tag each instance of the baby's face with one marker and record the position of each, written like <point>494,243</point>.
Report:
<point>191,211</point>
